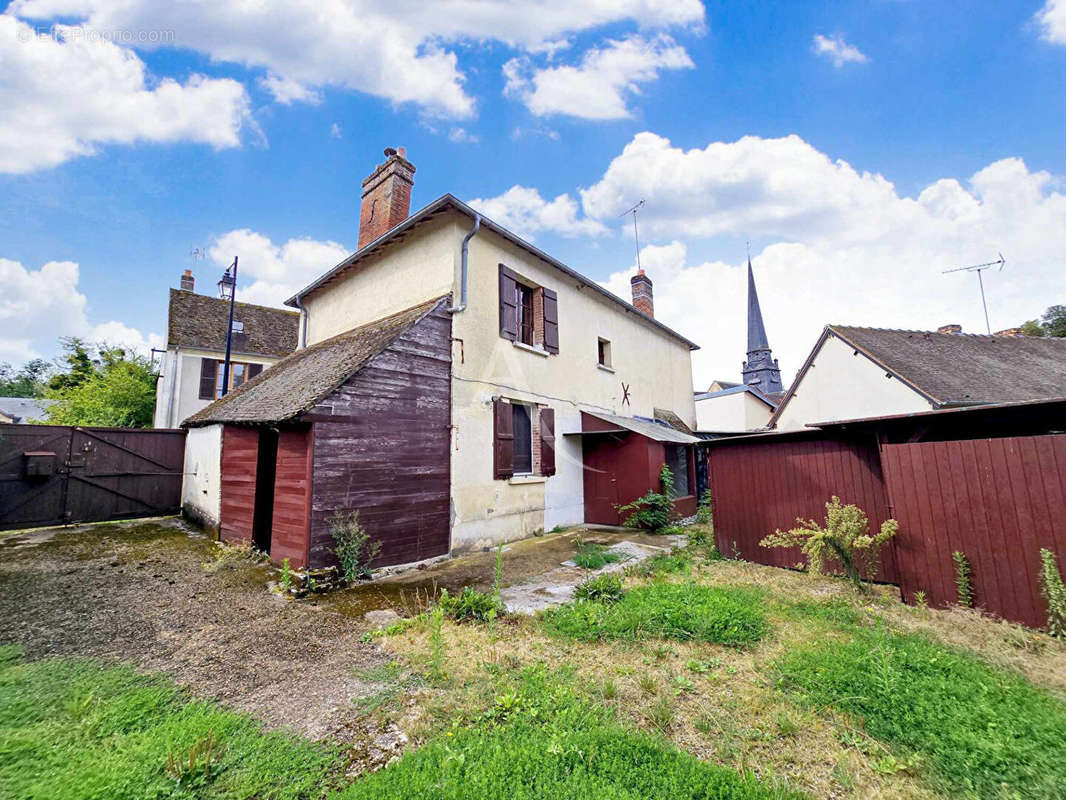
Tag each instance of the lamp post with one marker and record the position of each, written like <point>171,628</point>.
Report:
<point>227,288</point>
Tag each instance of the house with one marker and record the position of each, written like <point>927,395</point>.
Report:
<point>15,410</point>
<point>737,407</point>
<point>456,386</point>
<point>873,372</point>
<point>192,367</point>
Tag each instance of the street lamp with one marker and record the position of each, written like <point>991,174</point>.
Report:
<point>227,290</point>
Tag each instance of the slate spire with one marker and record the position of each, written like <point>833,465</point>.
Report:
<point>760,370</point>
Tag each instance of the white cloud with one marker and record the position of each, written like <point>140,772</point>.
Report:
<point>840,246</point>
<point>335,131</point>
<point>287,91</point>
<point>523,210</point>
<point>39,306</point>
<point>399,52</point>
<point>276,272</point>
<point>462,136</point>
<point>1052,21</point>
<point>838,51</point>
<point>63,96</point>
<point>599,87</point>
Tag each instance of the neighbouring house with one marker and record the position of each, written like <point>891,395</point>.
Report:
<point>16,410</point>
<point>192,368</point>
<point>454,385</point>
<point>856,373</point>
<point>738,407</point>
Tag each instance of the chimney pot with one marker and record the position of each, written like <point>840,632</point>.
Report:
<point>386,196</point>
<point>188,282</point>
<point>952,329</point>
<point>643,297</point>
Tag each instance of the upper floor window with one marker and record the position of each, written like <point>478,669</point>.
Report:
<point>529,314</point>
<point>212,373</point>
<point>604,348</point>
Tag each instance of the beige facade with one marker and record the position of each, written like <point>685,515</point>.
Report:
<point>649,368</point>
<point>731,411</point>
<point>841,383</point>
<point>177,395</point>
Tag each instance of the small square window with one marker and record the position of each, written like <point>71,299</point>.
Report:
<point>604,347</point>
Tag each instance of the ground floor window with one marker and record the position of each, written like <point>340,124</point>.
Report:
<point>677,461</point>
<point>523,438</point>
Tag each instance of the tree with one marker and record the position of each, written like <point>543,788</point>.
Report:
<point>27,382</point>
<point>112,387</point>
<point>1052,323</point>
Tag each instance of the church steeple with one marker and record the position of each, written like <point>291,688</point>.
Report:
<point>760,370</point>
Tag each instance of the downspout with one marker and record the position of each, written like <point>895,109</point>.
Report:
<point>465,256</point>
<point>175,367</point>
<point>303,322</point>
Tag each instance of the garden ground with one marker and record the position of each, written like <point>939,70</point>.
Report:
<point>775,681</point>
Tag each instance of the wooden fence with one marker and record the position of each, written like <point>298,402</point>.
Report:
<point>56,474</point>
<point>998,501</point>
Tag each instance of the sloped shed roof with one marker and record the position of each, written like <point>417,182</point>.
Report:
<point>962,369</point>
<point>296,383</point>
<point>653,430</point>
<point>196,320</point>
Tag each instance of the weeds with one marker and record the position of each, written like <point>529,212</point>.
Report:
<point>286,575</point>
<point>655,510</point>
<point>352,545</point>
<point>731,616</point>
<point>594,556</point>
<point>661,714</point>
<point>193,769</point>
<point>1054,592</point>
<point>470,604</point>
<point>605,588</point>
<point>963,579</point>
<point>436,641</point>
<point>983,731</point>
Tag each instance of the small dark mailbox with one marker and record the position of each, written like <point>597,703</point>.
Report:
<point>39,464</point>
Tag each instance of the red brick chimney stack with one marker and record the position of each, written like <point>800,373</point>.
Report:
<point>642,293</point>
<point>386,196</point>
<point>952,329</point>
<point>188,282</point>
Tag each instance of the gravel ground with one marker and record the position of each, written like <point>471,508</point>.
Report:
<point>159,596</point>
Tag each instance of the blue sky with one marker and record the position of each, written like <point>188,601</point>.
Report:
<point>917,136</point>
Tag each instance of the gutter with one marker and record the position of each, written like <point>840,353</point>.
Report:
<point>465,256</point>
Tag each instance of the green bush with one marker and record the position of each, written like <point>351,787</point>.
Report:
<point>542,742</point>
<point>352,545</point>
<point>73,729</point>
<point>603,589</point>
<point>704,512</point>
<point>984,732</point>
<point>655,510</point>
<point>725,615</point>
<point>593,556</point>
<point>470,604</point>
<point>845,538</point>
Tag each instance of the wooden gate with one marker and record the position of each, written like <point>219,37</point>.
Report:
<point>998,501</point>
<point>53,474</point>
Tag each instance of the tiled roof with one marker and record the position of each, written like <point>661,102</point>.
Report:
<point>294,384</point>
<point>196,320</point>
<point>960,369</point>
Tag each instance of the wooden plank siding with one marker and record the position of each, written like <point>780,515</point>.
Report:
<point>759,487</point>
<point>292,498</point>
<point>240,454</point>
<point>996,500</point>
<point>380,445</point>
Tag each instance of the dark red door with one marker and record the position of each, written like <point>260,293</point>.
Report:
<point>601,483</point>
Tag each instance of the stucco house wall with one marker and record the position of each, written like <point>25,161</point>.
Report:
<point>178,394</point>
<point>201,490</point>
<point>843,384</point>
<point>735,412</point>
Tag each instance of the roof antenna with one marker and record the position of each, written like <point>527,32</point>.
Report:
<point>636,239</point>
<point>1001,262</point>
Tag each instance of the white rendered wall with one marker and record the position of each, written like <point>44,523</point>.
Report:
<point>737,412</point>
<point>201,489</point>
<point>183,399</point>
<point>842,385</point>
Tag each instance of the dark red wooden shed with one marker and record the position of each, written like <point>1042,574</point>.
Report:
<point>359,422</point>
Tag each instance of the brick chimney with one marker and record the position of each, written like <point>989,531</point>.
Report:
<point>1010,332</point>
<point>952,329</point>
<point>188,282</point>
<point>642,293</point>
<point>386,196</point>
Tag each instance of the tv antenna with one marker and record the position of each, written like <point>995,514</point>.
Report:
<point>198,254</point>
<point>1000,262</point>
<point>636,239</point>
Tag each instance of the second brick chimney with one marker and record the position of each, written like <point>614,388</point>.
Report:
<point>386,196</point>
<point>952,329</point>
<point>188,282</point>
<point>642,293</point>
